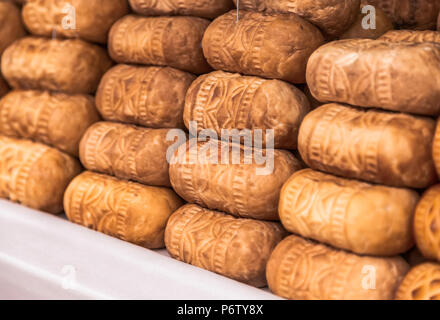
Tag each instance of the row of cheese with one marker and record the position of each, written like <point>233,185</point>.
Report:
<point>239,247</point>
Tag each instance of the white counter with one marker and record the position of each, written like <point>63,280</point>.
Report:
<point>47,257</point>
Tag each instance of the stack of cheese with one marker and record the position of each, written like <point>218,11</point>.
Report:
<point>365,163</point>
<point>142,100</point>
<point>266,40</point>
<point>369,148</point>
<point>421,281</point>
<point>43,119</point>
<point>232,180</point>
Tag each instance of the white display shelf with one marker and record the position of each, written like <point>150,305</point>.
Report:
<point>46,257</point>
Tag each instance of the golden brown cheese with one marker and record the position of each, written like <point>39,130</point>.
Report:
<point>348,214</point>
<point>148,96</point>
<point>409,14</point>
<point>221,100</point>
<point>300,269</point>
<point>421,283</point>
<point>372,73</point>
<point>332,16</point>
<point>199,8</point>
<point>126,210</point>
<point>162,41</point>
<point>93,18</point>
<point>226,181</point>
<point>55,119</point>
<point>427,224</point>
<point>71,66</point>
<point>11,26</point>
<point>234,247</point>
<point>127,152</point>
<point>35,175</point>
<point>261,44</point>
<point>393,149</point>
<point>411,36</point>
